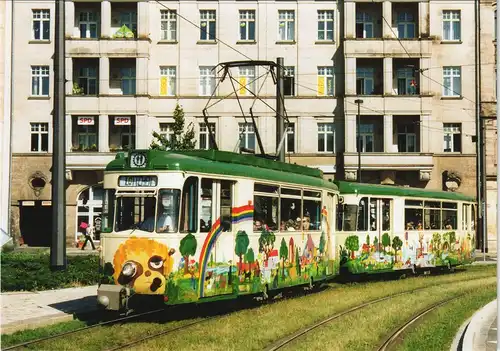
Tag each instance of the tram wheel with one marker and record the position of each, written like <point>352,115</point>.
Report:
<point>414,269</point>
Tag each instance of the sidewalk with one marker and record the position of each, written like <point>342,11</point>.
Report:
<point>27,310</point>
<point>480,331</point>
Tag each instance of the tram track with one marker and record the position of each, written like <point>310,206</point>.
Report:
<point>391,340</point>
<point>292,337</point>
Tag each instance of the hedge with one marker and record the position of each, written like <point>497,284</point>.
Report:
<point>23,271</point>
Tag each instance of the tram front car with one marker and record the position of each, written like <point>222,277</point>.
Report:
<point>141,205</point>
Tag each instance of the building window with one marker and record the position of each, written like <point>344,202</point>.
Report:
<point>326,137</point>
<point>205,142</point>
<point>451,25</point>
<point>452,83</point>
<point>364,25</point>
<point>406,81</point>
<point>290,138</point>
<point>364,80</point>
<point>207,81</point>
<point>325,81</point>
<point>286,25</point>
<point>121,133</point>
<point>406,25</point>
<point>88,24</point>
<point>407,138</point>
<point>84,133</point>
<point>128,80</point>
<point>167,131</point>
<point>207,24</point>
<point>167,81</point>
<point>289,81</point>
<point>87,80</point>
<point>168,25</point>
<point>89,209</point>
<point>40,137</point>
<point>129,19</point>
<point>40,80</point>
<point>247,25</point>
<point>247,136</point>
<point>41,24</point>
<point>246,78</point>
<point>452,137</point>
<point>366,137</point>
<point>325,25</point>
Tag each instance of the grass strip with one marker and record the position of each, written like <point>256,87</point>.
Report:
<point>291,314</point>
<point>437,331</point>
<point>365,329</point>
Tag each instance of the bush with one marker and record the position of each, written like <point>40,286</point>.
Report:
<point>31,272</point>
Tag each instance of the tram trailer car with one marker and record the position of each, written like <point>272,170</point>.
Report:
<point>204,225</point>
<point>383,228</point>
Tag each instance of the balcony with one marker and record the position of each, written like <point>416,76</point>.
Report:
<point>387,46</point>
<point>390,104</point>
<point>86,77</point>
<point>83,161</point>
<point>108,47</point>
<point>389,161</point>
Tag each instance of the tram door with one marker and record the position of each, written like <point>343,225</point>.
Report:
<point>216,206</point>
<point>380,220</point>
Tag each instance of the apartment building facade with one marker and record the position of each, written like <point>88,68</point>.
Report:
<point>129,63</point>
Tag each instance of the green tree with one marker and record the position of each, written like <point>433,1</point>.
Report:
<point>322,243</point>
<point>187,248</point>
<point>436,242</point>
<point>180,140</point>
<point>283,255</point>
<point>386,241</point>
<point>397,243</point>
<point>241,246</point>
<point>266,243</point>
<point>375,243</point>
<point>297,260</point>
<point>250,256</point>
<point>352,244</point>
<point>368,240</point>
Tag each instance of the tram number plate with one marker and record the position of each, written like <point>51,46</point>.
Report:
<point>137,181</point>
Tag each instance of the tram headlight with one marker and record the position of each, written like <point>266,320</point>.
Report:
<point>129,269</point>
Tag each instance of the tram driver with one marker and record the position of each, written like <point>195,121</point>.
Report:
<point>164,223</point>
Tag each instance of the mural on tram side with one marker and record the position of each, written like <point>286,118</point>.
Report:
<point>396,253</point>
<point>272,262</point>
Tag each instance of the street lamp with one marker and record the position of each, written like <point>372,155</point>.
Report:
<point>358,137</point>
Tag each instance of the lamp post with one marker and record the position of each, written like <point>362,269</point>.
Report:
<point>358,137</point>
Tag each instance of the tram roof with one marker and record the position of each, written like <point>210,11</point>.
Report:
<point>388,190</point>
<point>223,162</point>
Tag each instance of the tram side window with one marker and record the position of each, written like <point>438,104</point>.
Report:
<point>386,214</point>
<point>135,212</point>
<point>413,215</point>
<point>350,216</point>
<point>291,209</point>
<point>373,214</point>
<point>363,214</point>
<point>168,211</point>
<point>311,219</point>
<point>108,209</point>
<point>189,213</point>
<point>206,205</point>
<point>226,204</point>
<point>340,216</point>
<point>432,215</point>
<point>465,215</point>
<point>473,218</point>
<point>450,214</point>
<point>266,201</point>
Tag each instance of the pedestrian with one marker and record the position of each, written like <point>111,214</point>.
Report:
<point>88,232</point>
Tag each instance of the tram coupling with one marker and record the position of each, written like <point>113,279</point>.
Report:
<point>113,297</point>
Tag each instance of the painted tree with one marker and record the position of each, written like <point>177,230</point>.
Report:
<point>283,255</point>
<point>386,241</point>
<point>352,244</point>
<point>375,243</point>
<point>241,246</point>
<point>322,243</point>
<point>397,244</point>
<point>436,242</point>
<point>250,256</point>
<point>180,140</point>
<point>187,248</point>
<point>266,243</point>
<point>297,260</point>
<point>368,240</point>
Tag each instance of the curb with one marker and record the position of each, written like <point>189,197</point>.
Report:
<point>480,323</point>
<point>457,344</point>
<point>33,323</point>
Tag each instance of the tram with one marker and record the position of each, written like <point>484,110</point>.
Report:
<point>383,228</point>
<point>204,225</point>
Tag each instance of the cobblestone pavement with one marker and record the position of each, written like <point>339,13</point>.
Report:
<point>23,310</point>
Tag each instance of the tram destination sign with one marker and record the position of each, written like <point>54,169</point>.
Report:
<point>137,181</point>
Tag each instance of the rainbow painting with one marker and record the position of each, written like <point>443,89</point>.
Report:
<point>238,215</point>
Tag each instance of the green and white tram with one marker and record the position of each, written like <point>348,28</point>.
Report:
<point>384,228</point>
<point>200,225</point>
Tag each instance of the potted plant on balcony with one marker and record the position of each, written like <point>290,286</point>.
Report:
<point>76,148</point>
<point>92,147</point>
<point>77,89</point>
<point>114,148</point>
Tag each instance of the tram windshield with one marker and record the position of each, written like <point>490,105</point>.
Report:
<point>148,213</point>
